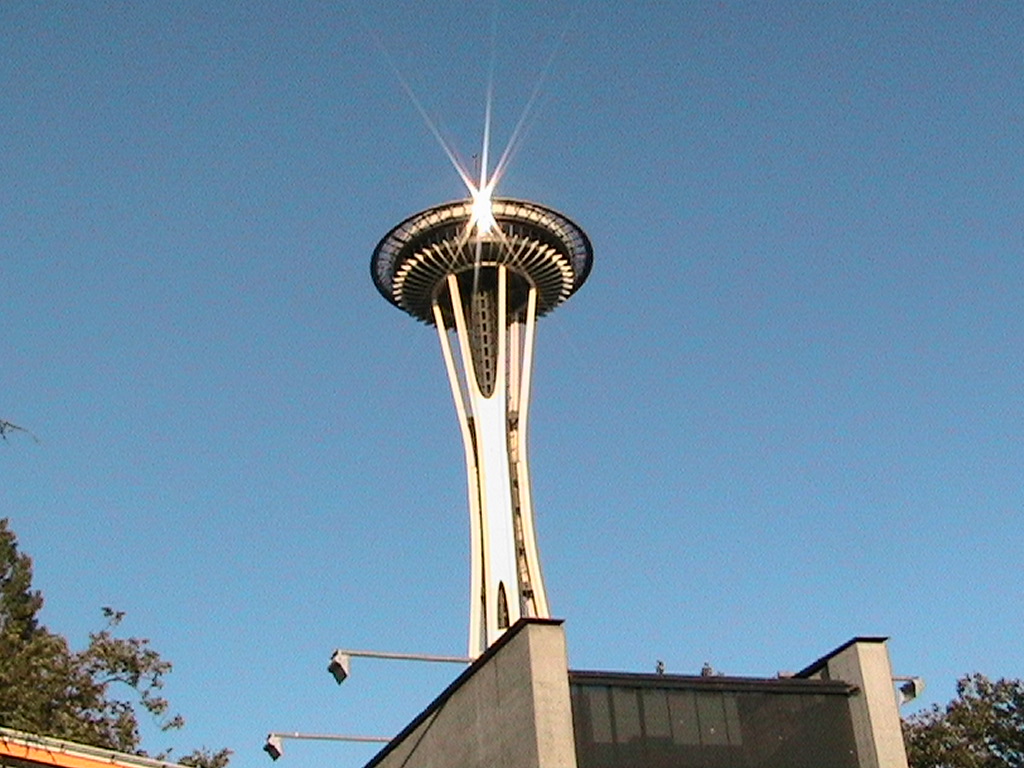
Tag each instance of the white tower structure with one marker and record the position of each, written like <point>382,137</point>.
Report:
<point>482,277</point>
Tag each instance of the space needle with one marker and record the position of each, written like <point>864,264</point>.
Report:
<point>481,271</point>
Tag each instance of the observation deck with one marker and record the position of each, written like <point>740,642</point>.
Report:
<point>539,247</point>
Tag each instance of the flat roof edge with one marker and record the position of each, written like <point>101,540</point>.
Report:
<point>818,664</point>
<point>778,685</point>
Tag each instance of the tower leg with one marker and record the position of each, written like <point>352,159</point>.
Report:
<point>491,393</point>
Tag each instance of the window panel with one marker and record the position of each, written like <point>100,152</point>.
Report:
<point>627,715</point>
<point>732,719</point>
<point>711,714</point>
<point>656,716</point>
<point>600,715</point>
<point>682,707</point>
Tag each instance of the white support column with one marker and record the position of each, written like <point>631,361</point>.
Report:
<point>536,602</point>
<point>506,581</point>
<point>477,626</point>
<point>496,594</point>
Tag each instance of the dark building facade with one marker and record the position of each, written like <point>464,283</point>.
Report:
<point>668,721</point>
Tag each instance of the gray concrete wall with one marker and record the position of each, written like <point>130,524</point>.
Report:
<point>864,662</point>
<point>511,709</point>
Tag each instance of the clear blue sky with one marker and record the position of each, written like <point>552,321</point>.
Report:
<point>786,409</point>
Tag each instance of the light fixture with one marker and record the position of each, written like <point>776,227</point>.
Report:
<point>339,666</point>
<point>910,689</point>
<point>274,747</point>
<point>341,660</point>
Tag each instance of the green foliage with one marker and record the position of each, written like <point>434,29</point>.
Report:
<point>204,758</point>
<point>983,727</point>
<point>89,696</point>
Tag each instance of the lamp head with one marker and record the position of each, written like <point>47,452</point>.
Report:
<point>274,747</point>
<point>911,689</point>
<point>339,666</point>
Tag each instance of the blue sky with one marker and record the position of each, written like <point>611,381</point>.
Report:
<point>786,408</point>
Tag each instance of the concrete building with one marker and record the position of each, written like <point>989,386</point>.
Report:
<point>520,706</point>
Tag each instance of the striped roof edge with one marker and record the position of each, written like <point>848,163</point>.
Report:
<point>18,748</point>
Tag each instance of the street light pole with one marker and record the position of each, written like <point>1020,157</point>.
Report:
<point>341,660</point>
<point>275,746</point>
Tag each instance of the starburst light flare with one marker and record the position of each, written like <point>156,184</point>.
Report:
<point>482,216</point>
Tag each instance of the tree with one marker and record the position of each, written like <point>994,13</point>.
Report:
<point>7,427</point>
<point>89,696</point>
<point>983,727</point>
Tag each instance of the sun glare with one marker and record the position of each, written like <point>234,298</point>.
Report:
<point>482,220</point>
<point>482,216</point>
